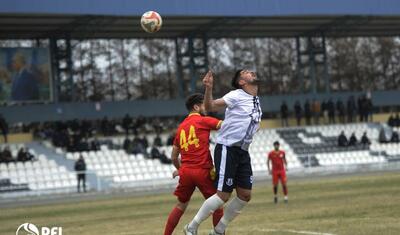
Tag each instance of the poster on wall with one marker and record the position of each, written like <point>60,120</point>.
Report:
<point>25,75</point>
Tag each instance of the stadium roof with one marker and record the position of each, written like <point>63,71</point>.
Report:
<point>83,19</point>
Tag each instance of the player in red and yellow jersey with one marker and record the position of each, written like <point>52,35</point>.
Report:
<point>279,166</point>
<point>195,169</point>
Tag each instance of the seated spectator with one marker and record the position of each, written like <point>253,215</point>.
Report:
<point>29,156</point>
<point>6,155</point>
<point>391,121</point>
<point>127,145</point>
<point>342,140</point>
<point>353,140</point>
<point>170,140</point>
<point>22,155</point>
<point>157,141</point>
<point>365,140</point>
<point>382,136</point>
<point>95,145</point>
<point>395,137</point>
<point>164,159</point>
<point>155,153</point>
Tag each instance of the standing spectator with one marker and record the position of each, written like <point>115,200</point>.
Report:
<point>397,120</point>
<point>316,109</point>
<point>341,110</point>
<point>284,114</point>
<point>127,145</point>
<point>360,108</point>
<point>365,140</point>
<point>80,168</point>
<point>353,140</point>
<point>342,140</point>
<point>324,108</point>
<point>369,108</point>
<point>331,111</point>
<point>4,128</point>
<point>391,121</point>
<point>351,107</point>
<point>298,112</point>
<point>126,123</point>
<point>105,126</point>
<point>307,112</point>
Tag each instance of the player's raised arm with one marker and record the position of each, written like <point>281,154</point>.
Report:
<point>210,104</point>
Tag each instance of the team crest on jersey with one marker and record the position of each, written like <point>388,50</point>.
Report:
<point>229,182</point>
<point>281,155</point>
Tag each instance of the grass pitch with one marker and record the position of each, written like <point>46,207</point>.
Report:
<point>363,204</point>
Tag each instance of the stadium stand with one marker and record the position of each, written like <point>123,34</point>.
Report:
<point>305,147</point>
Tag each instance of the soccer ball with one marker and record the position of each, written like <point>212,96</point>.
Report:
<point>151,21</point>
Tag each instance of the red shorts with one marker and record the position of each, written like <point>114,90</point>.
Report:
<point>189,179</point>
<point>278,175</point>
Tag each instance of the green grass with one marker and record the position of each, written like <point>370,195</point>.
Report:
<point>366,204</point>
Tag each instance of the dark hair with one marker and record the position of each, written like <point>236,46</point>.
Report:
<point>194,99</point>
<point>235,79</point>
<point>276,143</point>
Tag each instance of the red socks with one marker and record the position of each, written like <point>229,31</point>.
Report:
<point>217,215</point>
<point>173,220</point>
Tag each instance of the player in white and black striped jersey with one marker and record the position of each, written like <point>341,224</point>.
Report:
<point>231,156</point>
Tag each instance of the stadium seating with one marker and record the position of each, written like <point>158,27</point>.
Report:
<point>312,146</point>
<point>42,174</point>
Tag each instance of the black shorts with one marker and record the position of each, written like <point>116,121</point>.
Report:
<point>233,168</point>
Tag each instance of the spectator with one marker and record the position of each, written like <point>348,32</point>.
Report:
<point>307,112</point>
<point>365,140</point>
<point>95,145</point>
<point>395,137</point>
<point>284,114</point>
<point>6,155</point>
<point>157,141</point>
<point>126,123</point>
<point>391,121</point>
<point>324,109</point>
<point>331,111</point>
<point>397,120</point>
<point>155,153</point>
<point>80,168</point>
<point>164,159</point>
<point>127,145</point>
<point>21,156</point>
<point>170,140</point>
<point>316,110</point>
<point>105,126</point>
<point>298,112</point>
<point>382,136</point>
<point>342,140</point>
<point>353,140</point>
<point>4,128</point>
<point>351,107</point>
<point>369,108</point>
<point>341,110</point>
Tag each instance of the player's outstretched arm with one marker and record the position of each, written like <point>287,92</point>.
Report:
<point>210,104</point>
